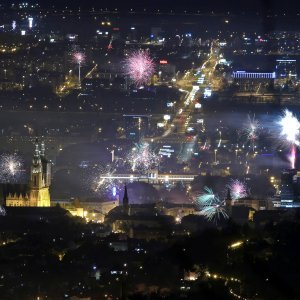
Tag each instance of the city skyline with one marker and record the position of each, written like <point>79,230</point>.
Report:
<point>149,150</point>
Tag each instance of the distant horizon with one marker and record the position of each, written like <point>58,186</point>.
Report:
<point>261,6</point>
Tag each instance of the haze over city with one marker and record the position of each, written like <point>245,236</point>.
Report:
<point>149,150</point>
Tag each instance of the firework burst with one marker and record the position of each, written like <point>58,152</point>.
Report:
<point>289,128</point>
<point>78,57</point>
<point>251,129</point>
<point>210,205</point>
<point>207,197</point>
<point>104,182</point>
<point>289,134</point>
<point>2,211</point>
<point>238,189</point>
<point>142,158</point>
<point>11,168</point>
<point>139,67</point>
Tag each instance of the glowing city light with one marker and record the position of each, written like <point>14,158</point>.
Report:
<point>236,245</point>
<point>30,22</point>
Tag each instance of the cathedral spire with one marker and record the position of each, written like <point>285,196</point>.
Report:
<point>125,198</point>
<point>37,154</point>
<point>42,148</point>
<point>228,202</point>
<point>228,196</point>
<point>37,150</point>
<point>126,202</point>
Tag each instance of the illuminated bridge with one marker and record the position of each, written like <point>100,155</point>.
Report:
<point>153,178</point>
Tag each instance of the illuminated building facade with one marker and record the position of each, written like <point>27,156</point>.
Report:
<point>136,126</point>
<point>94,211</point>
<point>252,81</point>
<point>290,183</point>
<point>252,75</point>
<point>286,68</point>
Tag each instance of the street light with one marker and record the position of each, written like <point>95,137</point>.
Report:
<point>215,155</point>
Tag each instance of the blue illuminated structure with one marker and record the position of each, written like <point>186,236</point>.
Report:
<point>253,75</point>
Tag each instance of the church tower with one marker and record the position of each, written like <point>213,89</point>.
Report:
<point>46,166</point>
<point>40,178</point>
<point>228,202</point>
<point>125,201</point>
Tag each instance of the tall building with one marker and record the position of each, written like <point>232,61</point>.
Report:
<point>252,81</point>
<point>30,22</point>
<point>228,202</point>
<point>286,69</point>
<point>289,195</point>
<point>136,126</point>
<point>126,201</point>
<point>37,193</point>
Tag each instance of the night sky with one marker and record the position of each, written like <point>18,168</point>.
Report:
<point>202,5</point>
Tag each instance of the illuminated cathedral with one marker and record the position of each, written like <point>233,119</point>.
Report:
<point>36,193</point>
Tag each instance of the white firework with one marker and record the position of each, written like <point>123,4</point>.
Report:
<point>251,129</point>
<point>2,211</point>
<point>289,128</point>
<point>142,158</point>
<point>210,205</point>
<point>11,168</point>
<point>104,181</point>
